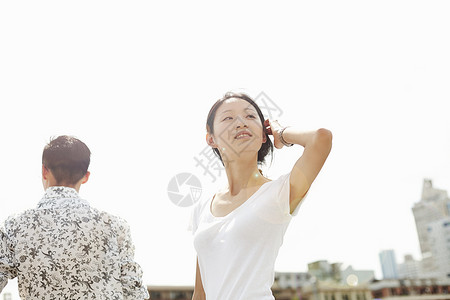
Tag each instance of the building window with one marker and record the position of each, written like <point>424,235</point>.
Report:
<point>377,294</point>
<point>405,291</point>
<point>178,295</point>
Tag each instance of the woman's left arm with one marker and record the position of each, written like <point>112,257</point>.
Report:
<point>317,146</point>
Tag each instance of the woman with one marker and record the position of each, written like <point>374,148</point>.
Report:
<point>238,231</point>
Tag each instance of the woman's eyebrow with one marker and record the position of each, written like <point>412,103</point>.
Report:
<point>245,109</point>
<point>225,111</point>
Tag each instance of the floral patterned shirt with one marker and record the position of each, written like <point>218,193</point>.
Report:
<point>65,249</point>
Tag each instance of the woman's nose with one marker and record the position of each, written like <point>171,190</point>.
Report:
<point>240,123</point>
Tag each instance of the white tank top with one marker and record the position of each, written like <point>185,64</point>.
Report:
<point>237,252</point>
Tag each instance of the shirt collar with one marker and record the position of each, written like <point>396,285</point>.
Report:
<point>61,197</point>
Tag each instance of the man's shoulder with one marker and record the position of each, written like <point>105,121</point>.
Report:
<point>16,217</point>
<point>13,222</point>
<point>31,214</point>
<point>109,218</point>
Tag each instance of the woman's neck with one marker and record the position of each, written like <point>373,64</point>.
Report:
<point>242,175</point>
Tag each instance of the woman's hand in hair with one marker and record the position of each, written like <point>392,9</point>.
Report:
<point>272,128</point>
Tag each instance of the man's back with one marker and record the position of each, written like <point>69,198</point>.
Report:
<point>65,249</point>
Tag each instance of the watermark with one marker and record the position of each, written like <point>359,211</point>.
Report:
<point>210,164</point>
<point>269,108</point>
<point>184,189</point>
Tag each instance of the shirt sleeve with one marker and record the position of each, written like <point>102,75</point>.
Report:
<point>131,272</point>
<point>284,194</point>
<point>8,269</point>
<point>193,220</point>
<point>196,213</point>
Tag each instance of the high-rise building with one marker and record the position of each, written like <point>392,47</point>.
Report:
<point>410,268</point>
<point>433,206</point>
<point>388,264</point>
<point>439,238</point>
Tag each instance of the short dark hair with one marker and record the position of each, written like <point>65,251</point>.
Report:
<point>266,148</point>
<point>67,158</point>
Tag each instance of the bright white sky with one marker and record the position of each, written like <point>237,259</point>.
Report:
<point>135,81</point>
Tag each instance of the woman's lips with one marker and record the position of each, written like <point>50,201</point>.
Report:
<point>243,135</point>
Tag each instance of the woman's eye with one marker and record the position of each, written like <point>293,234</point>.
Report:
<point>226,118</point>
<point>251,116</point>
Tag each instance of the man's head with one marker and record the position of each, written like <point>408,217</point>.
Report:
<point>65,162</point>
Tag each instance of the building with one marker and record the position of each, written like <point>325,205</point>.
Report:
<point>433,206</point>
<point>356,277</point>
<point>410,268</point>
<point>411,289</point>
<point>170,292</point>
<point>328,290</point>
<point>286,280</point>
<point>314,289</point>
<point>287,286</point>
<point>439,239</point>
<point>322,270</point>
<point>388,264</point>
<point>7,296</point>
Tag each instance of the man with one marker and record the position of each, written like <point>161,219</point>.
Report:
<point>64,248</point>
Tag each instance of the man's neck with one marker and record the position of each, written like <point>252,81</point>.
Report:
<point>76,186</point>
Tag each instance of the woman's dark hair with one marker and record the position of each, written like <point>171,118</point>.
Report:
<point>67,158</point>
<point>266,148</point>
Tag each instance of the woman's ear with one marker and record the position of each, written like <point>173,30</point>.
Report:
<point>210,140</point>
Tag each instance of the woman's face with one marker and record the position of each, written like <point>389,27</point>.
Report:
<point>238,132</point>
